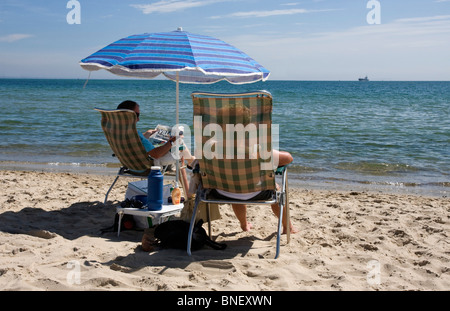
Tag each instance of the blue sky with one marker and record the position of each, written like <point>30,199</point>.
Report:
<point>295,40</point>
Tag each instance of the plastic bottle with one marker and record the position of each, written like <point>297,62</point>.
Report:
<point>155,189</point>
<point>176,196</point>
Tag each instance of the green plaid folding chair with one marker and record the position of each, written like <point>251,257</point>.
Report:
<point>236,152</point>
<point>119,127</point>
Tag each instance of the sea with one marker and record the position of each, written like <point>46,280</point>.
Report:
<point>344,135</point>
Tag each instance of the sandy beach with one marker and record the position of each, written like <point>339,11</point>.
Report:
<point>51,239</point>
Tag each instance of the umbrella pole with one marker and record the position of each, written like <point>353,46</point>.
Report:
<point>178,97</point>
<point>176,123</point>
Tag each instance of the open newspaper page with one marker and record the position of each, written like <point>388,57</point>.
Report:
<point>162,134</point>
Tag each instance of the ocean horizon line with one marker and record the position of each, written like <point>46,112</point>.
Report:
<point>165,79</point>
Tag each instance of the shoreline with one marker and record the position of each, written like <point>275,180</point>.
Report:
<point>298,180</point>
<point>347,240</point>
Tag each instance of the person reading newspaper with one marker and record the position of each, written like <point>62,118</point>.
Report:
<point>161,153</point>
<point>160,135</point>
<point>157,142</point>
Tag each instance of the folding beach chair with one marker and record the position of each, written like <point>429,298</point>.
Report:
<point>238,158</point>
<point>119,127</point>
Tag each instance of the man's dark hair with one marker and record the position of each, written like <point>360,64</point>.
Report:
<point>128,104</point>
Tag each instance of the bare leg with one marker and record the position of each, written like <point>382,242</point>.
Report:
<point>240,210</point>
<point>276,211</point>
<point>184,182</point>
<point>284,157</point>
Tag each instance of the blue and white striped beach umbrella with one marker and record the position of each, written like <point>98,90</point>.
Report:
<point>180,56</point>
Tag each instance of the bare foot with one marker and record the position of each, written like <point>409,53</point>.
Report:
<point>293,230</point>
<point>247,227</point>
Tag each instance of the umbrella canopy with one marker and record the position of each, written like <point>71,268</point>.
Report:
<point>178,55</point>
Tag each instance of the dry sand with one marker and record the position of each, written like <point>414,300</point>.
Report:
<point>50,239</point>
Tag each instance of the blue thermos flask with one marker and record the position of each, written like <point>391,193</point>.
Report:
<point>155,189</point>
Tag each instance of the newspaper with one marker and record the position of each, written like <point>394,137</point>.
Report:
<point>162,134</point>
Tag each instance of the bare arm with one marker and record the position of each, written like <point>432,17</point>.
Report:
<point>162,150</point>
<point>149,133</point>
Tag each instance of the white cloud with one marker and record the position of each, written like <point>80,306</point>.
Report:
<point>425,19</point>
<point>406,30</point>
<point>269,13</point>
<point>405,49</point>
<point>264,13</point>
<point>14,37</point>
<point>167,6</point>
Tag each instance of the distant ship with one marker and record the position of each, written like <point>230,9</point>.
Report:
<point>364,79</point>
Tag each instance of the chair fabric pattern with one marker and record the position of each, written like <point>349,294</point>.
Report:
<point>234,154</point>
<point>119,127</point>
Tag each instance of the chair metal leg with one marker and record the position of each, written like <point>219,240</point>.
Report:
<point>283,201</point>
<point>280,224</point>
<point>191,226</point>
<point>109,190</point>
<point>208,215</point>
<point>288,214</point>
<point>118,225</point>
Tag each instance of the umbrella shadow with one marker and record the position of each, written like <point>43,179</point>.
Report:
<point>77,220</point>
<point>168,258</point>
<point>253,237</point>
<point>89,218</point>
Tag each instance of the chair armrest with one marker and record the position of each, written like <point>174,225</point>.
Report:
<point>280,170</point>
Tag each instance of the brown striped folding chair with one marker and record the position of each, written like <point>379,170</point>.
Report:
<point>119,127</point>
<point>233,139</point>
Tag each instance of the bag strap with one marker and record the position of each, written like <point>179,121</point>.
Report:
<point>214,244</point>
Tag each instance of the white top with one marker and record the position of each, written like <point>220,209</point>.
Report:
<point>239,196</point>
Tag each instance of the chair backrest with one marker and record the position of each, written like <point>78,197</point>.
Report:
<point>120,130</point>
<point>234,134</point>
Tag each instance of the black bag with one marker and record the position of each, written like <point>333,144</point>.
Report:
<point>174,234</point>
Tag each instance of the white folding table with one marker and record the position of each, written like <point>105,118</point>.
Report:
<point>157,216</point>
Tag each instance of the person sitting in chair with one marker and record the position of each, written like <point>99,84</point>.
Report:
<point>240,210</point>
<point>161,154</point>
<point>153,152</point>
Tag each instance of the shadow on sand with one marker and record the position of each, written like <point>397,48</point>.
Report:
<point>89,218</point>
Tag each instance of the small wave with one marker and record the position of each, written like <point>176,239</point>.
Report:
<point>439,184</point>
<point>378,169</point>
<point>58,164</point>
<point>300,169</point>
<point>75,164</point>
